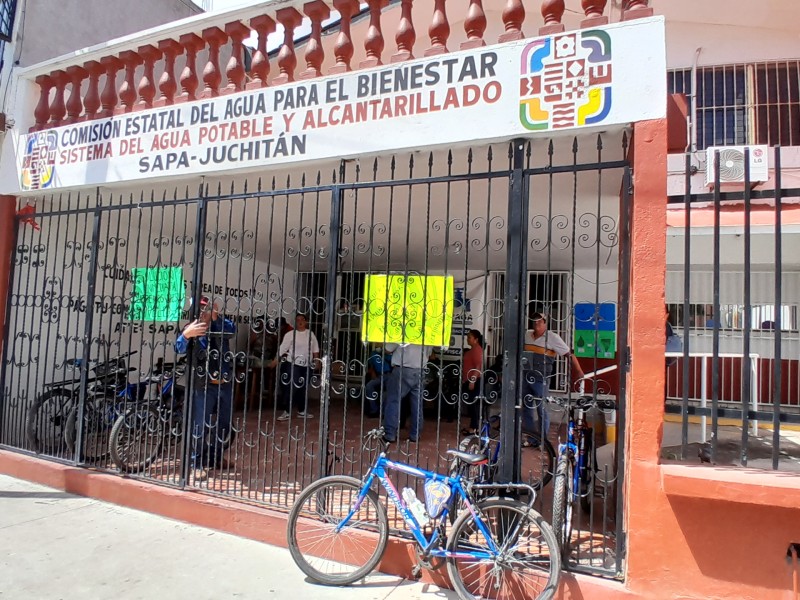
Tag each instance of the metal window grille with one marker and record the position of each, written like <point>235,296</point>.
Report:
<point>8,9</point>
<point>757,103</point>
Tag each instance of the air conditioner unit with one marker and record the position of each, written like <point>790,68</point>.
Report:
<point>731,164</point>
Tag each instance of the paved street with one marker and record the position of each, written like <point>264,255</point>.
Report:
<point>58,546</point>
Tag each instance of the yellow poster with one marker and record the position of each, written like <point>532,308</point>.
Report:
<point>411,309</point>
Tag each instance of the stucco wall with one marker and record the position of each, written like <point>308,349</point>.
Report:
<point>50,28</point>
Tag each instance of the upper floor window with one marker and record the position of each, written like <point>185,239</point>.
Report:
<point>8,9</point>
<point>756,103</point>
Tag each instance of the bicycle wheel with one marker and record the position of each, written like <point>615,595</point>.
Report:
<point>136,438</point>
<point>538,461</point>
<point>46,419</point>
<point>527,566</point>
<point>473,445</point>
<point>562,501</point>
<point>97,424</point>
<point>337,557</point>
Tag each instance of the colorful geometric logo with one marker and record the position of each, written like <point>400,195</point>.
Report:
<point>565,81</point>
<point>39,161</point>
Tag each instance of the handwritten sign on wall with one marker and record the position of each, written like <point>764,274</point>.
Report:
<point>158,294</point>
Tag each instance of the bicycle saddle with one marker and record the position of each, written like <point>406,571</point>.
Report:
<point>466,457</point>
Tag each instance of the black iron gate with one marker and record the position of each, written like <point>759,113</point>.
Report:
<point>104,284</point>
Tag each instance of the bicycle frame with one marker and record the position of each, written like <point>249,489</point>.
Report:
<point>430,546</point>
<point>575,448</point>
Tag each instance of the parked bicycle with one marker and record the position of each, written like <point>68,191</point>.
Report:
<point>574,481</point>
<point>51,421</point>
<point>139,432</point>
<point>539,457</point>
<point>498,547</point>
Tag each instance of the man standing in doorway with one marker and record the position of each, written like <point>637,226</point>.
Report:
<point>207,337</point>
<point>543,347</point>
<point>298,355</point>
<point>405,379</point>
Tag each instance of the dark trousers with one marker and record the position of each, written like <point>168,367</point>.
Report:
<point>472,402</point>
<point>294,386</point>
<point>208,442</point>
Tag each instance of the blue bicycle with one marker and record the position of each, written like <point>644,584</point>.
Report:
<point>498,548</point>
<point>574,480</point>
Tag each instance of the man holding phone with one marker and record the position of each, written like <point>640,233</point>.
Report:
<point>207,338</point>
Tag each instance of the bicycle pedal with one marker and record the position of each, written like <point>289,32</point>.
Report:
<point>416,571</point>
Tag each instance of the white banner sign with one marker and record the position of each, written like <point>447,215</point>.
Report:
<point>613,75</point>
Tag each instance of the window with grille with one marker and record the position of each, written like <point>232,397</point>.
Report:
<point>7,10</point>
<point>739,104</point>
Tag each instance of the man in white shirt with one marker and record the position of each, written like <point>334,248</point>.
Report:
<point>406,379</point>
<point>542,347</point>
<point>298,355</point>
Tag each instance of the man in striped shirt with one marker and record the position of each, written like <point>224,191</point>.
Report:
<point>542,347</point>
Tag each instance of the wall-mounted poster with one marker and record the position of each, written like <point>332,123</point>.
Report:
<point>595,330</point>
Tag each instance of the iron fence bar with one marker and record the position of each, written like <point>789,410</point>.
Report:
<point>510,406</point>
<point>733,413</point>
<point>82,390</point>
<point>337,200</point>
<point>715,366</point>
<point>777,367</point>
<point>728,196</point>
<point>687,282</point>
<point>747,392</point>
<point>6,326</point>
<point>197,279</point>
<point>624,361</point>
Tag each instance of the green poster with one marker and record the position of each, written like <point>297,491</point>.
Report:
<point>157,294</point>
<point>414,309</point>
<point>590,344</point>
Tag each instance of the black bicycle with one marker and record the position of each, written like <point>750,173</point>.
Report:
<point>139,432</point>
<point>51,421</point>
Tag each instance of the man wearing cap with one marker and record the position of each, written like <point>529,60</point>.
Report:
<point>207,338</point>
<point>542,348</point>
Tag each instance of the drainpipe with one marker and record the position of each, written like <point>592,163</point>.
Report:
<point>691,129</point>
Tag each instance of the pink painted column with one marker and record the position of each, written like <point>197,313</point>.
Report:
<point>168,85</point>
<point>147,85</point>
<point>76,76</point>
<point>193,43</point>
<point>594,9</point>
<point>317,11</point>
<point>513,17</point>
<point>127,91</point>
<point>553,12</point>
<point>57,108</point>
<point>439,30</point>
<point>290,18</point>
<point>263,25</point>
<point>212,76</point>
<point>343,50</point>
<point>42,111</point>
<point>373,42</point>
<point>108,98</point>
<point>91,103</point>
<point>234,71</point>
<point>636,9</point>
<point>406,35</point>
<point>474,26</point>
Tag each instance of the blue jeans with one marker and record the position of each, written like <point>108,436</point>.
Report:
<point>209,442</point>
<point>534,390</point>
<point>402,382</point>
<point>372,392</point>
<point>294,386</point>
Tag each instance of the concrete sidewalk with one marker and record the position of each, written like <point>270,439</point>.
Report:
<point>54,545</point>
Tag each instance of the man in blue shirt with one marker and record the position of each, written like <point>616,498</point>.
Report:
<point>207,338</point>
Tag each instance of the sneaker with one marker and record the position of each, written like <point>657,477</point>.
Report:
<point>200,475</point>
<point>305,415</point>
<point>284,416</point>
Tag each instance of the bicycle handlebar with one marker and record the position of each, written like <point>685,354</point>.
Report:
<point>584,402</point>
